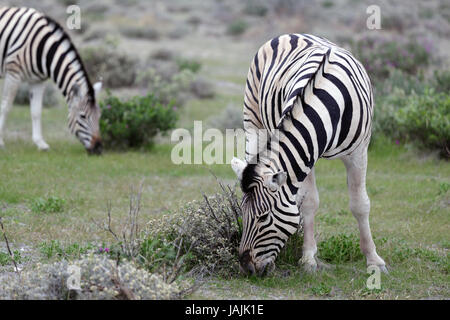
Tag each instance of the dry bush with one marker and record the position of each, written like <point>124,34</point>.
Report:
<point>208,232</point>
<point>118,70</point>
<point>101,278</point>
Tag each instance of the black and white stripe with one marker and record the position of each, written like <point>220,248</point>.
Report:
<point>34,48</point>
<point>317,100</point>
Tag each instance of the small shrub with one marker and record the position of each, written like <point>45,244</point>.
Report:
<point>442,81</point>
<point>202,88</point>
<point>384,121</point>
<point>142,32</point>
<point>381,55</point>
<point>443,188</point>
<point>187,64</point>
<point>55,249</point>
<point>6,259</point>
<point>255,8</point>
<point>230,118</point>
<point>340,248</point>
<point>101,279</point>
<point>162,54</point>
<point>51,204</point>
<point>135,122</point>
<point>168,85</point>
<point>425,119</point>
<point>237,27</point>
<point>210,231</point>
<point>117,70</point>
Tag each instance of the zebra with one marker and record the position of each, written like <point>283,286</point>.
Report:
<point>314,100</point>
<point>33,48</point>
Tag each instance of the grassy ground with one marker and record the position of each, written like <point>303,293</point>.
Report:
<point>410,210</point>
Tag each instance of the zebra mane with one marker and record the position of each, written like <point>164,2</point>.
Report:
<point>65,36</point>
<point>248,177</point>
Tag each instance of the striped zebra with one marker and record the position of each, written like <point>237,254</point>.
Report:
<point>33,48</point>
<point>314,100</point>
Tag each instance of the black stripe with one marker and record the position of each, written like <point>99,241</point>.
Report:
<point>5,26</point>
<point>40,51</point>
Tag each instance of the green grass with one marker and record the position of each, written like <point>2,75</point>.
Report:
<point>410,216</point>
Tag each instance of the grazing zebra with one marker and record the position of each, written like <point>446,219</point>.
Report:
<point>33,48</point>
<point>315,100</point>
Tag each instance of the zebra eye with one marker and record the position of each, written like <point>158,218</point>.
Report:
<point>83,116</point>
<point>263,218</point>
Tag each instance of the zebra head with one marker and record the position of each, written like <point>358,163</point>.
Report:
<point>268,216</point>
<point>84,116</point>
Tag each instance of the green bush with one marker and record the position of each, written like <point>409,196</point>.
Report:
<point>187,64</point>
<point>134,123</point>
<point>6,259</point>
<point>442,81</point>
<point>381,55</point>
<point>55,249</point>
<point>51,204</point>
<point>384,120</point>
<point>340,248</point>
<point>167,83</point>
<point>426,119</point>
<point>255,8</point>
<point>237,27</point>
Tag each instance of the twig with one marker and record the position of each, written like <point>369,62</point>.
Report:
<point>11,254</point>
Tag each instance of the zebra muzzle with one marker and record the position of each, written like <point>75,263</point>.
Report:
<point>246,264</point>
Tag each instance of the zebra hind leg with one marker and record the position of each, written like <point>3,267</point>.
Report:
<point>36,96</point>
<point>10,87</point>
<point>356,165</point>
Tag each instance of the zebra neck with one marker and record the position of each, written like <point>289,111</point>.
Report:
<point>81,85</point>
<point>287,153</point>
<point>63,63</point>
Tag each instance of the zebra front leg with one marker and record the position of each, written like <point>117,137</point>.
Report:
<point>308,199</point>
<point>356,165</point>
<point>36,96</point>
<point>10,87</point>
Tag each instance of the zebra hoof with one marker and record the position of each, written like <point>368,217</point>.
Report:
<point>44,148</point>
<point>308,266</point>
<point>384,269</point>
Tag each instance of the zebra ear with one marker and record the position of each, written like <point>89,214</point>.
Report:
<point>75,96</point>
<point>238,167</point>
<point>75,90</point>
<point>276,180</point>
<point>97,88</point>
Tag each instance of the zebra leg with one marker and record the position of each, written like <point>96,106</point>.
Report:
<point>356,165</point>
<point>36,97</point>
<point>308,199</point>
<point>10,87</point>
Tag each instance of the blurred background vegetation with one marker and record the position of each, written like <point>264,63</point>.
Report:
<point>197,53</point>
